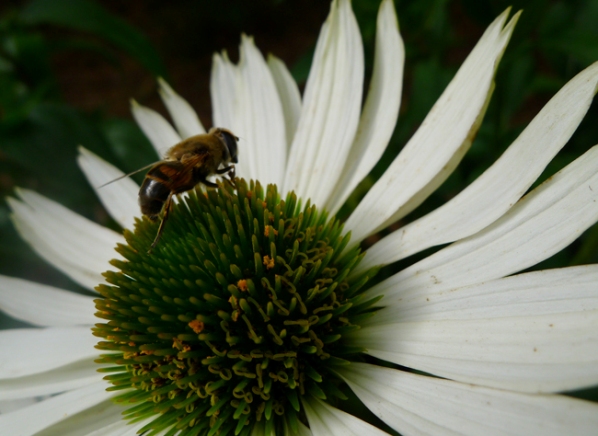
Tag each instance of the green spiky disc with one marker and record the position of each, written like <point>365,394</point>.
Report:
<point>237,313</point>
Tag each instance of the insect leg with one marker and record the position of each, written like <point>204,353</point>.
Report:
<point>167,206</point>
<point>230,171</point>
<point>208,183</point>
<point>225,169</point>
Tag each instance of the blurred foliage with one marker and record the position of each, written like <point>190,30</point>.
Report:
<point>40,130</point>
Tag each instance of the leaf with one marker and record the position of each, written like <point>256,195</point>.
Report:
<point>128,144</point>
<point>89,16</point>
<point>43,147</point>
<point>578,43</point>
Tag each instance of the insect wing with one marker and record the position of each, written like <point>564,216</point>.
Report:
<point>180,174</point>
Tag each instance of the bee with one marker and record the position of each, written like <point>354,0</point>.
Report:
<point>185,165</point>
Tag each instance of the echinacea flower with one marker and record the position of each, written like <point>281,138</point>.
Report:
<point>254,314</point>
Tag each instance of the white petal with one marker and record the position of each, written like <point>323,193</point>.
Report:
<point>62,379</point>
<point>534,332</point>
<point>75,245</point>
<point>120,197</point>
<point>440,142</point>
<point>381,107</point>
<point>39,416</point>
<point>119,427</point>
<point>8,406</point>
<point>290,98</point>
<point>184,117</point>
<point>327,420</point>
<point>258,118</point>
<point>331,106</point>
<point>572,289</point>
<point>43,305</point>
<point>103,419</point>
<point>495,191</point>
<point>415,404</point>
<point>31,351</point>
<point>301,431</point>
<point>223,84</point>
<point>155,127</point>
<point>538,226</point>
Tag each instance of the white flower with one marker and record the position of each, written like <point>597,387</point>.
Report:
<point>503,344</point>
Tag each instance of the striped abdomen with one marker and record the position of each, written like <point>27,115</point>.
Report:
<point>162,180</point>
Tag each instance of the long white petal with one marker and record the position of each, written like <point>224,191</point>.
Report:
<point>331,106</point>
<point>440,142</point>
<point>42,415</point>
<point>223,83</point>
<point>225,87</point>
<point>538,226</point>
<point>119,427</point>
<point>159,131</point>
<point>417,405</point>
<point>259,120</point>
<point>62,379</point>
<point>75,245</point>
<point>31,351</point>
<point>301,431</point>
<point>290,98</point>
<point>119,198</point>
<point>381,107</point>
<point>495,191</point>
<point>183,115</point>
<point>326,420</point>
<point>7,406</point>
<point>534,332</point>
<point>44,305</point>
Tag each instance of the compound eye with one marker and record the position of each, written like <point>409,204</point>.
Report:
<point>231,143</point>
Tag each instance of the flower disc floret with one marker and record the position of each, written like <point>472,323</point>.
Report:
<point>236,315</point>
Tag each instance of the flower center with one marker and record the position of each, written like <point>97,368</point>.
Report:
<point>238,313</point>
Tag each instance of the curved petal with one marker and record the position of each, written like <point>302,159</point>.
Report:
<point>43,305</point>
<point>55,409</point>
<point>326,420</point>
<point>533,332</point>
<point>21,349</point>
<point>75,245</point>
<point>302,430</point>
<point>495,191</point>
<point>223,83</point>
<point>415,404</point>
<point>120,197</point>
<point>62,379</point>
<point>538,226</point>
<point>183,115</point>
<point>159,131</point>
<point>290,98</point>
<point>440,142</point>
<point>103,419</point>
<point>258,118</point>
<point>119,427</point>
<point>225,87</point>
<point>331,106</point>
<point>381,107</point>
<point>7,406</point>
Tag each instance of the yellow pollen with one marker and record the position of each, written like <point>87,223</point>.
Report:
<point>268,262</point>
<point>196,325</point>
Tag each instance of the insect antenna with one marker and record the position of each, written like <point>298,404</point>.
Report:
<point>127,175</point>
